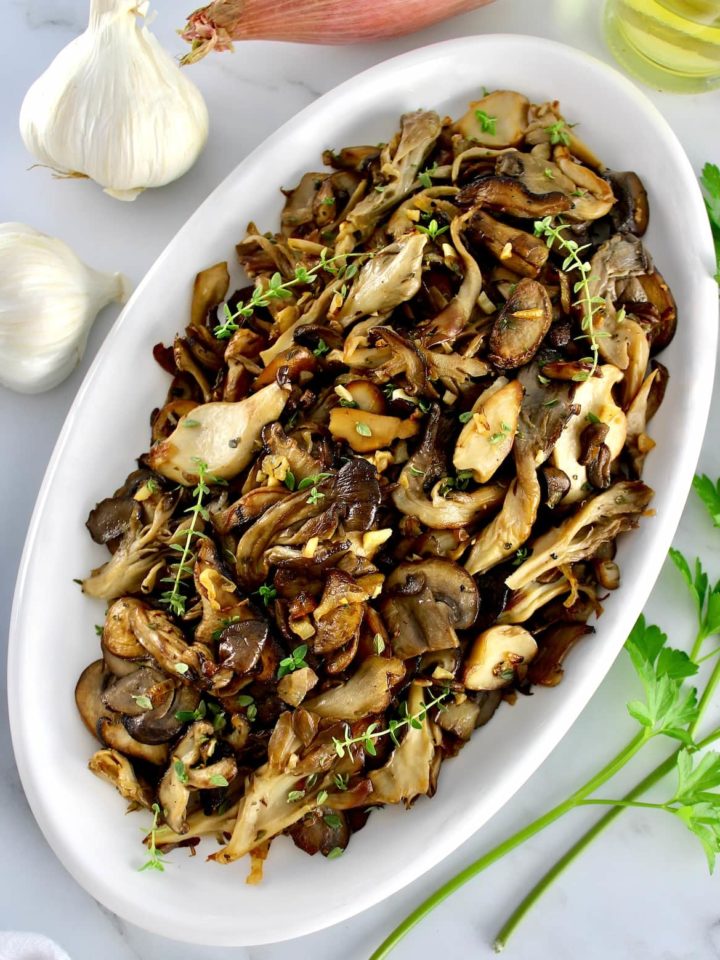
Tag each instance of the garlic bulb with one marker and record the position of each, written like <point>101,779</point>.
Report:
<point>115,107</point>
<point>48,302</point>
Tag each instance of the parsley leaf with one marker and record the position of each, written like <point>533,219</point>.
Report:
<point>709,493</point>
<point>710,181</point>
<point>669,706</point>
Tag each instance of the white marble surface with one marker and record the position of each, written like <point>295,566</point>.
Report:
<point>642,893</point>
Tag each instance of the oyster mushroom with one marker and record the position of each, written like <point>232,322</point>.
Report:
<point>594,397</point>
<point>507,195</point>
<point>423,471</point>
<point>390,278</point>
<point>368,691</point>
<point>521,325</point>
<point>141,548</point>
<point>419,131</point>
<point>498,656</point>
<point>638,443</point>
<point>223,437</point>
<point>487,438</point>
<point>499,119</point>
<point>424,602</point>
<point>512,527</point>
<point>409,771</point>
<point>117,770</point>
<point>209,291</point>
<point>453,318</point>
<point>601,519</point>
<point>184,774</point>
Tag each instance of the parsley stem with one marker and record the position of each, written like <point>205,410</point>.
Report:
<point>587,838</point>
<point>605,802</point>
<point>548,878</point>
<point>511,843</point>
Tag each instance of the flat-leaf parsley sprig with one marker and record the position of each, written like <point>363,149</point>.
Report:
<point>279,289</point>
<point>589,306</point>
<point>174,598</point>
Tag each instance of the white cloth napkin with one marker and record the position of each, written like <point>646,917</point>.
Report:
<point>15,945</point>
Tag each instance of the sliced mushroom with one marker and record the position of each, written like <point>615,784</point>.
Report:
<point>601,519</point>
<point>116,769</point>
<point>521,325</point>
<point>114,735</point>
<point>555,644</point>
<point>499,656</point>
<point>88,694</point>
<point>631,211</point>
<point>145,683</point>
<point>425,602</point>
<point>223,437</point>
<point>319,833</point>
<point>498,120</point>
<point>163,723</point>
<point>365,432</point>
<point>521,252</point>
<point>368,691</point>
<point>460,719</point>
<point>209,291</point>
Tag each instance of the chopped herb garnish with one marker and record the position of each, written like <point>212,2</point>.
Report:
<point>487,123</point>
<point>266,592</point>
<point>363,429</point>
<point>295,661</point>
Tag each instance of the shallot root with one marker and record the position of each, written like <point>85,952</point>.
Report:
<point>215,26</point>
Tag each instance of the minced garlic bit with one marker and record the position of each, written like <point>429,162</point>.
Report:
<point>506,251</point>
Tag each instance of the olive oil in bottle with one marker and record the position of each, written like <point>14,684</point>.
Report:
<point>668,44</point>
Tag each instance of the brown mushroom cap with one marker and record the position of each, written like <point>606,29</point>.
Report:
<point>521,325</point>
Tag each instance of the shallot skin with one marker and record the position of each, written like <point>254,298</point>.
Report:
<point>312,21</point>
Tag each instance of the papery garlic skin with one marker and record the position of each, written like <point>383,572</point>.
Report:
<point>48,301</point>
<point>115,107</point>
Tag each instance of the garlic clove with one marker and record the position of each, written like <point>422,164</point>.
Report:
<point>49,300</point>
<point>115,107</point>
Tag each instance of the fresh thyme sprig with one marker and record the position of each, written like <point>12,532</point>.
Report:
<point>588,304</point>
<point>155,860</point>
<point>371,734</point>
<point>174,598</point>
<point>279,289</point>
